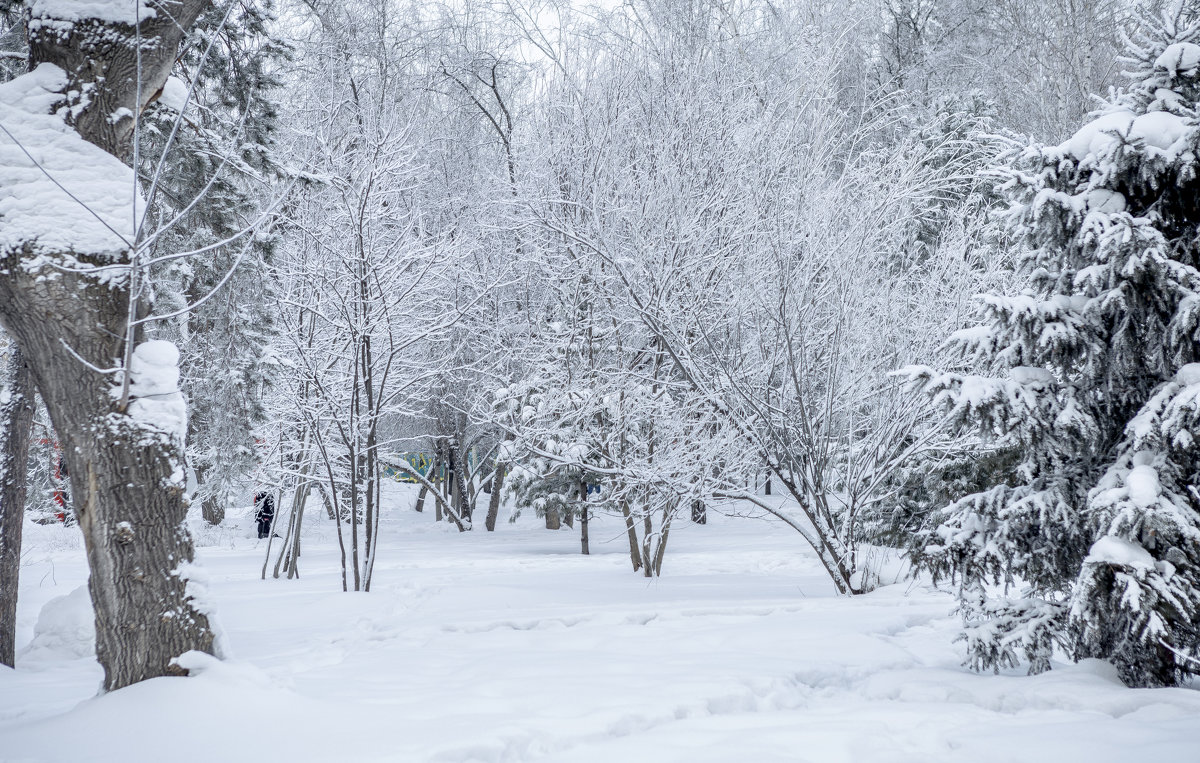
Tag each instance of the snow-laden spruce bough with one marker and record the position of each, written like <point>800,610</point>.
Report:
<point>1089,540</point>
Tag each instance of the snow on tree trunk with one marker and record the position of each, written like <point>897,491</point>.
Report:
<point>65,274</point>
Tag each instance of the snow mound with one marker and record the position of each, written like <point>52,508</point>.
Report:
<point>66,627</point>
<point>1104,201</point>
<point>1179,58</point>
<point>154,384</point>
<point>174,94</point>
<point>108,11</point>
<point>1118,552</point>
<point>1030,375</point>
<point>58,192</point>
<point>1157,129</point>
<point>1188,375</point>
<point>1143,485</point>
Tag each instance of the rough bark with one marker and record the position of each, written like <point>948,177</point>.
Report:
<point>494,498</point>
<point>101,59</point>
<point>212,507</point>
<point>71,325</point>
<point>497,488</point>
<point>16,426</point>
<point>213,510</point>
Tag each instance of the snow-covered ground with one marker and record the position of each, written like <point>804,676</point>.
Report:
<point>511,646</point>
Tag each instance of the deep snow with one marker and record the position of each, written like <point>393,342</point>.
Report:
<point>511,646</point>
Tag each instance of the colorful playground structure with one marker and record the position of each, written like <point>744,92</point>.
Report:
<point>421,462</point>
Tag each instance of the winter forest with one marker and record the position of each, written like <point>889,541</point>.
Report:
<point>628,380</point>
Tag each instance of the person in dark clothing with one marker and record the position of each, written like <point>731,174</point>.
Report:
<point>264,513</point>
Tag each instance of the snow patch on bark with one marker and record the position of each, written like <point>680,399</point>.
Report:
<point>58,193</point>
<point>174,94</point>
<point>61,13</point>
<point>196,587</point>
<point>154,385</point>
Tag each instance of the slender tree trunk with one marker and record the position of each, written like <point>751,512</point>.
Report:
<point>293,557</point>
<point>16,427</point>
<point>497,489</point>
<point>583,518</point>
<point>421,498</point>
<point>661,550</point>
<point>463,491</point>
<point>440,471</point>
<point>635,555</point>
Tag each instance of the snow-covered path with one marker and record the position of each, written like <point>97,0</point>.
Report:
<point>511,647</point>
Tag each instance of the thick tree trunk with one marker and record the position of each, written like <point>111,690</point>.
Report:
<point>212,507</point>
<point>126,477</point>
<point>69,312</point>
<point>553,521</point>
<point>16,426</point>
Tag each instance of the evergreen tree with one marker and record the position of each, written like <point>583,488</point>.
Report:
<point>220,154</point>
<point>1089,377</point>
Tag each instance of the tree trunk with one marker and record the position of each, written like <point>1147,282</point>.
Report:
<point>583,518</point>
<point>497,489</point>
<point>699,512</point>
<point>553,521</point>
<point>421,498</point>
<point>494,499</point>
<point>463,492</point>
<point>16,427</point>
<point>69,312</point>
<point>635,555</point>
<point>126,477</point>
<point>212,509</point>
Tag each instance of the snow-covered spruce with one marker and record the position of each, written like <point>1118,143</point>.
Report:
<point>1087,374</point>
